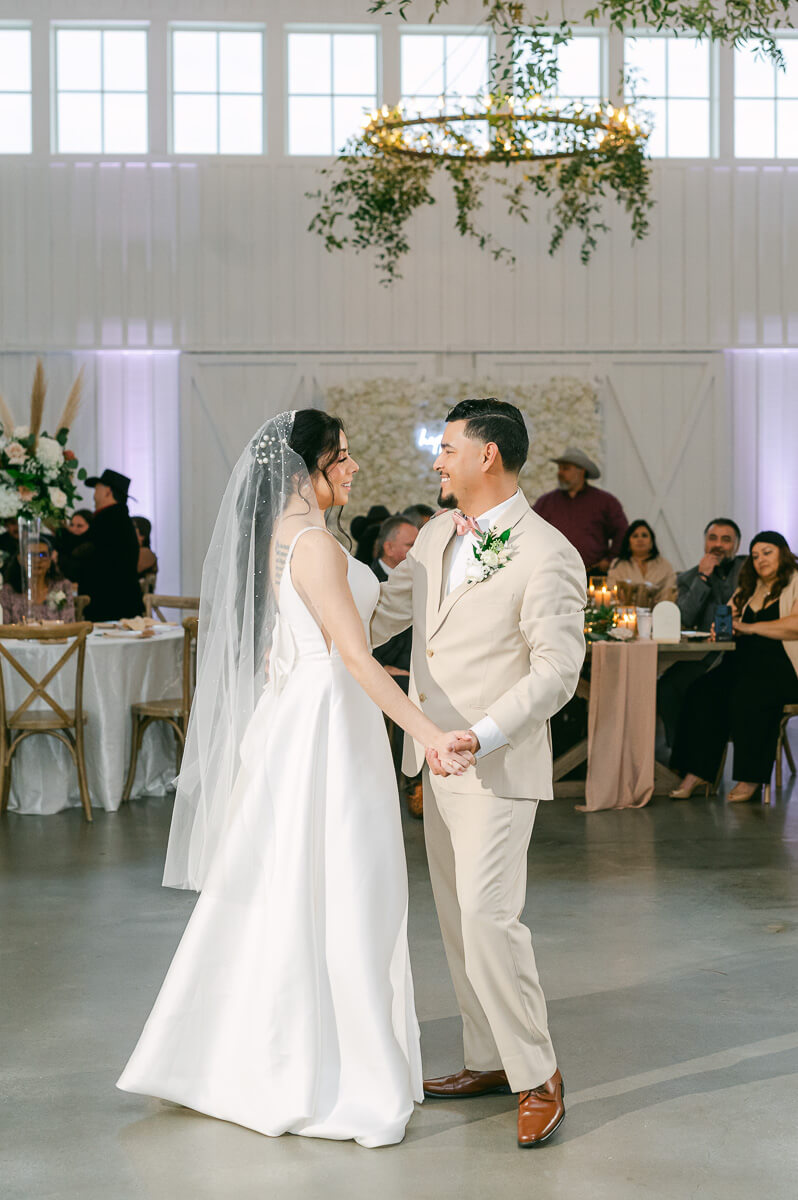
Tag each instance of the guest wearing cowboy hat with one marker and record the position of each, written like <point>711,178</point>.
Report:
<point>593,520</point>
<point>105,564</point>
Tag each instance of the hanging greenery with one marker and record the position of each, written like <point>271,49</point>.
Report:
<point>517,136</point>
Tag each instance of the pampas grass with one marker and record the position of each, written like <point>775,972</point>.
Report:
<point>7,419</point>
<point>72,405</point>
<point>37,397</point>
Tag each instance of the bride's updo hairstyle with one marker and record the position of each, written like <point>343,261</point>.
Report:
<point>316,438</point>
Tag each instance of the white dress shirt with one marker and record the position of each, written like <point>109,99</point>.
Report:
<point>385,567</point>
<point>487,731</point>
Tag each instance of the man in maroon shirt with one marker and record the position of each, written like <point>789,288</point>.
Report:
<point>593,520</point>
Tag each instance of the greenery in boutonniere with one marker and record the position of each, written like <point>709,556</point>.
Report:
<point>490,555</point>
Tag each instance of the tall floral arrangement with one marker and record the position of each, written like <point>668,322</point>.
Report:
<point>39,473</point>
<point>394,424</point>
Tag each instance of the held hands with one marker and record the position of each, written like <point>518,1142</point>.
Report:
<point>453,752</point>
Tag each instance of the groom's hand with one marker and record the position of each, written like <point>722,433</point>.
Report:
<point>467,741</point>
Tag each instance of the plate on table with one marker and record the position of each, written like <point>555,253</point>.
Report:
<point>696,634</point>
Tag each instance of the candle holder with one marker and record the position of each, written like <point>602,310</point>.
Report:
<point>627,618</point>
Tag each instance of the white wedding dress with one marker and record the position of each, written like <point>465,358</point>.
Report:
<point>288,1006</point>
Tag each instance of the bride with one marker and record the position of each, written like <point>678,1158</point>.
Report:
<point>288,1006</point>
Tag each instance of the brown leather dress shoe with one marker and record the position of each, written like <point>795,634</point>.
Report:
<point>467,1083</point>
<point>540,1112</point>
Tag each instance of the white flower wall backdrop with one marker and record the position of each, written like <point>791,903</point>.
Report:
<point>393,424</point>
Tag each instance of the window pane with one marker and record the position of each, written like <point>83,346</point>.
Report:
<point>580,67</point>
<point>241,62</point>
<point>195,122</point>
<point>787,81</point>
<point>14,60</point>
<point>125,123</point>
<point>309,64</point>
<point>753,74</point>
<point>688,67</point>
<point>194,61</point>
<point>80,123</point>
<point>422,64</point>
<point>309,125</point>
<point>646,58</point>
<point>787,129</point>
<point>754,128</point>
<point>354,64</point>
<point>348,116</point>
<point>240,125</point>
<point>78,52</point>
<point>655,114</point>
<point>688,128</point>
<point>125,60</point>
<point>466,65</point>
<point>15,124</point>
<point>421,106</point>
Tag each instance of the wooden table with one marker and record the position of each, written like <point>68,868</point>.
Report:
<point>664,779</point>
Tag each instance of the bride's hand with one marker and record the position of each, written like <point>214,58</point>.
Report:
<point>453,758</point>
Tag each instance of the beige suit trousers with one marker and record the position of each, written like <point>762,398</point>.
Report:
<point>477,848</point>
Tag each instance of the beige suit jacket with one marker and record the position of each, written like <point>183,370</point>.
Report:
<point>510,647</point>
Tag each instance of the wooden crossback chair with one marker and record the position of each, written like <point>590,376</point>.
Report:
<point>81,604</point>
<point>153,603</point>
<point>173,712</point>
<point>65,724</point>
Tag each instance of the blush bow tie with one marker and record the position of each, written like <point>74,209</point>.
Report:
<point>464,524</point>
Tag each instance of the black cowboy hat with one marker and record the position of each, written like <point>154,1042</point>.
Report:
<point>113,479</point>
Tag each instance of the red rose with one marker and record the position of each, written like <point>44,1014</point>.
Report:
<point>69,455</point>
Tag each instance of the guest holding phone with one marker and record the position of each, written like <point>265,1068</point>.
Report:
<point>742,699</point>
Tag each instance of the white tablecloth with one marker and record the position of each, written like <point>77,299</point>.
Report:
<point>119,672</point>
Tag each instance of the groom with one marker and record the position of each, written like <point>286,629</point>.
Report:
<point>497,649</point>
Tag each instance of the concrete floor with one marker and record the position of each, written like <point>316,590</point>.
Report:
<point>666,940</point>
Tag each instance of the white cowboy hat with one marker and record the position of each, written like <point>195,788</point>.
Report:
<point>578,458</point>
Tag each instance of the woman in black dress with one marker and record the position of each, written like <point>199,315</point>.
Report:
<point>741,700</point>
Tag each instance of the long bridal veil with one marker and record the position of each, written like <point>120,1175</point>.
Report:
<point>238,628</point>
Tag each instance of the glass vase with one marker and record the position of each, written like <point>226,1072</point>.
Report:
<point>30,534</point>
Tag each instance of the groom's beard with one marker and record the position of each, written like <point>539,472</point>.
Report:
<point>446,501</point>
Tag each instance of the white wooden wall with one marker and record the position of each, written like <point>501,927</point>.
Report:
<point>201,304</point>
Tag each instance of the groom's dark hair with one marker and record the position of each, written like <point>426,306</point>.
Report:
<point>493,420</point>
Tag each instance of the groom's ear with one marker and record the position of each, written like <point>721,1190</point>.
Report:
<point>491,456</point>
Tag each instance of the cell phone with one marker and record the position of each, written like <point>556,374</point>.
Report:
<point>723,622</point>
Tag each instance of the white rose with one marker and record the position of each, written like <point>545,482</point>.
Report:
<point>490,559</point>
<point>21,431</point>
<point>58,498</point>
<point>50,454</point>
<point>10,502</point>
<point>16,454</point>
<point>475,571</point>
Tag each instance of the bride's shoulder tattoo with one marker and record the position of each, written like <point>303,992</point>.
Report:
<point>280,556</point>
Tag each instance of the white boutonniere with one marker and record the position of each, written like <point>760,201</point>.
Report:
<point>490,555</point>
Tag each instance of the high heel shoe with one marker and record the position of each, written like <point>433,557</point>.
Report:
<point>740,793</point>
<point>683,793</point>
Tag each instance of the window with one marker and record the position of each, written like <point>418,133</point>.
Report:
<point>672,83</point>
<point>217,91</point>
<point>101,91</point>
<point>581,69</point>
<point>444,69</point>
<point>766,103</point>
<point>332,83</point>
<point>15,92</point>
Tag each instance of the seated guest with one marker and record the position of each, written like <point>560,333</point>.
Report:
<point>593,520</point>
<point>70,534</point>
<point>148,563</point>
<point>52,595</point>
<point>701,589</point>
<point>365,534</point>
<point>105,562</point>
<point>639,561</point>
<point>396,536</point>
<point>741,700</point>
<point>419,514</point>
<point>9,542</point>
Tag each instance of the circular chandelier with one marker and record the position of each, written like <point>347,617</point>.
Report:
<point>573,154</point>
